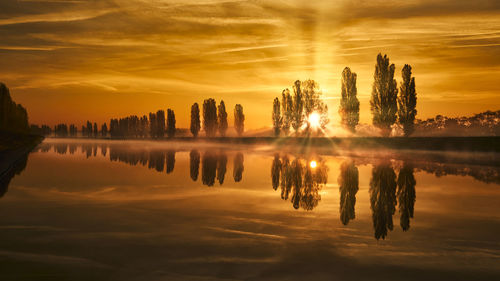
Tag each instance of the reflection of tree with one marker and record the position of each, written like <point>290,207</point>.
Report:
<point>72,148</point>
<point>157,160</point>
<point>221,167</point>
<point>209,168</point>
<point>275,171</point>
<point>194,164</point>
<point>348,186</point>
<point>301,180</point>
<point>104,149</point>
<point>170,161</point>
<point>7,176</point>
<point>61,148</point>
<point>383,198</point>
<point>406,195</point>
<point>238,167</point>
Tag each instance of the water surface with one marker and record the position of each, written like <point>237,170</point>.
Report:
<point>139,210</point>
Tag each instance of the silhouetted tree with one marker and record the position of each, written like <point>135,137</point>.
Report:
<point>384,93</point>
<point>209,168</point>
<point>221,167</point>
<point>287,106</point>
<point>170,123</point>
<point>348,187</point>
<point>406,195</point>
<point>194,164</point>
<point>275,171</point>
<point>407,101</point>
<point>383,198</point>
<point>222,119</point>
<point>195,120</point>
<point>349,104</point>
<point>104,130</point>
<point>160,123</point>
<point>73,131</point>
<point>170,160</point>
<point>61,130</point>
<point>95,130</point>
<point>89,129</point>
<point>13,117</point>
<point>238,167</point>
<point>298,106</point>
<point>239,119</point>
<point>277,119</point>
<point>210,117</point>
<point>144,126</point>
<point>153,125</point>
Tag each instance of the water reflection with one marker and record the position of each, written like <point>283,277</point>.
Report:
<point>15,169</point>
<point>238,167</point>
<point>383,198</point>
<point>406,195</point>
<point>194,164</point>
<point>348,186</point>
<point>301,178</point>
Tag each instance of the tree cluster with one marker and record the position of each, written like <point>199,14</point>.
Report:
<point>295,110</point>
<point>215,119</point>
<point>13,117</point>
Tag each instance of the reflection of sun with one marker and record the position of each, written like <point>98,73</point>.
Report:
<point>314,120</point>
<point>313,164</point>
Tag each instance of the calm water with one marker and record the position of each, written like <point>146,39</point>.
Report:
<point>130,210</point>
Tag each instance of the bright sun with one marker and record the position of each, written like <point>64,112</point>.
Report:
<point>313,164</point>
<point>314,120</point>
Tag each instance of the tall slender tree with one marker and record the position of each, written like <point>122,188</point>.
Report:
<point>96,131</point>
<point>277,119</point>
<point>170,123</point>
<point>153,125</point>
<point>298,106</point>
<point>407,101</point>
<point>222,119</point>
<point>239,119</point>
<point>384,93</point>
<point>104,130</point>
<point>160,122</point>
<point>287,106</point>
<point>210,117</point>
<point>349,103</point>
<point>195,120</point>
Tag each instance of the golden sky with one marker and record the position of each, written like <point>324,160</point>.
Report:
<point>73,60</point>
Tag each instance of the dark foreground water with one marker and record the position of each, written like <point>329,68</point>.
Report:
<point>106,210</point>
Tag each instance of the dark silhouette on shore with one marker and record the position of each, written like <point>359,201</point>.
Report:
<point>13,116</point>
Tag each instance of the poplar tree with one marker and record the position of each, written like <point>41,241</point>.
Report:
<point>195,120</point>
<point>239,119</point>
<point>384,94</point>
<point>349,103</point>
<point>210,117</point>
<point>287,106</point>
<point>407,101</point>
<point>170,123</point>
<point>222,119</point>
<point>277,119</point>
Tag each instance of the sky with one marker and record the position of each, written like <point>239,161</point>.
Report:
<point>76,60</point>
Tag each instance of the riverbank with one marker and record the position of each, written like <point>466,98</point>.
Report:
<point>470,144</point>
<point>15,146</point>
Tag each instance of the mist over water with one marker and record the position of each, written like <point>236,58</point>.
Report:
<point>113,210</point>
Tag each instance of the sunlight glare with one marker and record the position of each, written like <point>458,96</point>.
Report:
<point>314,120</point>
<point>313,164</point>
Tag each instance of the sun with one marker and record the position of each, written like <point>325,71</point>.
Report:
<point>314,120</point>
<point>313,164</point>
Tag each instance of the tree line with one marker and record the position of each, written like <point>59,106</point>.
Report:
<point>386,105</point>
<point>157,125</point>
<point>13,116</point>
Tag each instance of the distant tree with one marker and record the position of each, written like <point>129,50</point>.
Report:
<point>222,118</point>
<point>89,129</point>
<point>210,117</point>
<point>153,125</point>
<point>239,119</point>
<point>95,130</point>
<point>349,103</point>
<point>407,101</point>
<point>195,120</point>
<point>298,106</point>
<point>384,93</point>
<point>104,130</point>
<point>277,119</point>
<point>73,130</point>
<point>170,123</point>
<point>287,106</point>
<point>160,123</point>
<point>144,126</point>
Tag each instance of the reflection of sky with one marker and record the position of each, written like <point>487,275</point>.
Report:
<point>93,59</point>
<point>67,211</point>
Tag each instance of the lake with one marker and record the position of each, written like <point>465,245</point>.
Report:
<point>145,210</point>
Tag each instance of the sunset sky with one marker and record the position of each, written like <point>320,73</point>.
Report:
<point>76,60</point>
